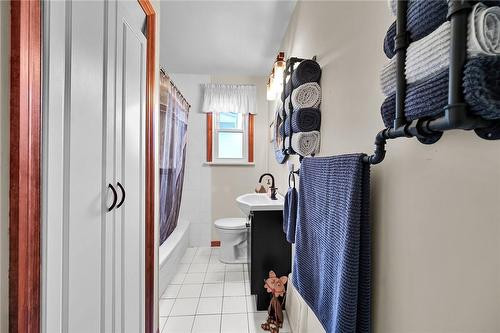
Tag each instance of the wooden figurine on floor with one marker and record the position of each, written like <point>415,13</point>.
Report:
<point>275,286</point>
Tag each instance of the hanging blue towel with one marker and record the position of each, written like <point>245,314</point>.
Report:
<point>290,214</point>
<point>332,260</point>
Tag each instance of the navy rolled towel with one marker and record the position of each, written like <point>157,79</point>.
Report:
<point>287,90</point>
<point>482,86</point>
<point>306,71</point>
<point>304,120</point>
<point>423,17</point>
<point>423,99</point>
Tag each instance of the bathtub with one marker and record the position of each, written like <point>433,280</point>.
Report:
<point>171,252</point>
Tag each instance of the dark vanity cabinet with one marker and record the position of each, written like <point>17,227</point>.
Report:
<point>268,250</point>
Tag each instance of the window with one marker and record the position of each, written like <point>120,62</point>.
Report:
<point>229,137</point>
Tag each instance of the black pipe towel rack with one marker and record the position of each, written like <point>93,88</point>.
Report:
<point>456,113</point>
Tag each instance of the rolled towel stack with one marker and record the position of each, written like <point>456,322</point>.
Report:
<point>481,83</point>
<point>427,63</point>
<point>304,143</point>
<point>301,103</point>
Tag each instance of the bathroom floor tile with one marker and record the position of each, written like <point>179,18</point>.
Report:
<point>178,278</point>
<point>194,278</point>
<point>165,307</point>
<point>234,289</point>
<point>216,267</point>
<point>255,319</point>
<point>234,277</point>
<point>201,259</point>
<point>198,268</point>
<point>184,307</point>
<point>215,260</point>
<point>183,268</point>
<point>187,258</point>
<point>190,291</point>
<point>251,303</point>
<point>212,290</point>
<point>209,305</point>
<point>204,251</point>
<point>234,323</point>
<point>162,322</point>
<point>234,268</point>
<point>207,324</point>
<point>172,291</point>
<point>235,304</point>
<point>191,250</point>
<point>214,277</point>
<point>178,324</point>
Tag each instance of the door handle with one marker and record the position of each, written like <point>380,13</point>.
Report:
<point>115,197</point>
<point>123,195</point>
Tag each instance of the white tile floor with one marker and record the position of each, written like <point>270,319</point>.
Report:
<point>207,296</point>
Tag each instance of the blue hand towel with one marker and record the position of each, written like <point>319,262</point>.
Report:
<point>481,84</point>
<point>290,214</point>
<point>303,120</point>
<point>332,261</point>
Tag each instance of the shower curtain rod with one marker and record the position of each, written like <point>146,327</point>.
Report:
<point>456,114</point>
<point>174,86</point>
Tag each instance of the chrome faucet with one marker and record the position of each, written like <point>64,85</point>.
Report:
<point>272,188</point>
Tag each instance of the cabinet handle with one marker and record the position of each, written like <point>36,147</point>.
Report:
<point>114,197</point>
<point>123,195</point>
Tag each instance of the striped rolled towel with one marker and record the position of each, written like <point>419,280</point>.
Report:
<point>307,95</point>
<point>481,85</point>
<point>303,120</point>
<point>305,143</point>
<point>306,71</point>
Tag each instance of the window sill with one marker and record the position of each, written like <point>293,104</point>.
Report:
<point>229,163</point>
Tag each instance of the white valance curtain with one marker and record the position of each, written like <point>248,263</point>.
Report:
<point>230,98</point>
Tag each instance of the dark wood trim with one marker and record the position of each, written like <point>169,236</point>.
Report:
<point>151,71</point>
<point>251,128</point>
<point>215,243</point>
<point>24,192</point>
<point>210,133</point>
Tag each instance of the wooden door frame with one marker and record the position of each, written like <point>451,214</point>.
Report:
<point>25,166</point>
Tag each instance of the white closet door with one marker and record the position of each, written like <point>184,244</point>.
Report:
<point>130,170</point>
<point>74,167</point>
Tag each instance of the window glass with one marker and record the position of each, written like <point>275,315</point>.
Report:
<point>230,145</point>
<point>230,120</point>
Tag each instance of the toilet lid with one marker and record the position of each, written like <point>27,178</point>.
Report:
<point>232,223</point>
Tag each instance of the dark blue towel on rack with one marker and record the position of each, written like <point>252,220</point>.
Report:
<point>332,261</point>
<point>481,84</point>
<point>290,214</point>
<point>423,17</point>
<point>307,71</point>
<point>303,120</point>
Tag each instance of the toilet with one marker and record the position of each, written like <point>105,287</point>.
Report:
<point>233,234</point>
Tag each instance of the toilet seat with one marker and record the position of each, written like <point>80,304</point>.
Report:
<point>231,223</point>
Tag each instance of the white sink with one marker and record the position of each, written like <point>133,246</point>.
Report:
<point>252,202</point>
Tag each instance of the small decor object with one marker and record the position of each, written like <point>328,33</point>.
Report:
<point>275,286</point>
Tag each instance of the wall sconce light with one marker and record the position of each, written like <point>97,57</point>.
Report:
<point>275,81</point>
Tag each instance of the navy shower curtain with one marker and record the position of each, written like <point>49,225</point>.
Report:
<point>173,129</point>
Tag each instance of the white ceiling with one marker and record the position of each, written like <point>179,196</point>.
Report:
<point>222,37</point>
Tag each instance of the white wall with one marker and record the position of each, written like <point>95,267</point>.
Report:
<point>435,213</point>
<point>4,163</point>
<point>210,191</point>
<point>196,199</point>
